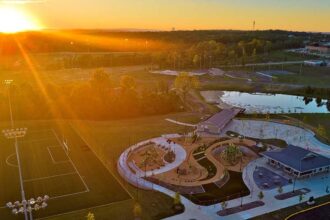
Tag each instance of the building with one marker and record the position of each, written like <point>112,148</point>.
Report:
<point>216,123</point>
<point>322,48</point>
<point>297,161</point>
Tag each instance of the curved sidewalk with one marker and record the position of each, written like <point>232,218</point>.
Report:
<point>136,178</point>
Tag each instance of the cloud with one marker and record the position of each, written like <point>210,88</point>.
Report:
<point>21,1</point>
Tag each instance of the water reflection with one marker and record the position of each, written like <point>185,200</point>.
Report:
<point>275,103</point>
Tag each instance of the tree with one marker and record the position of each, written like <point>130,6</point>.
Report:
<point>254,56</point>
<point>232,154</point>
<point>319,101</point>
<point>100,78</point>
<point>137,210</point>
<point>127,82</point>
<point>267,47</point>
<point>177,199</point>
<point>101,82</point>
<point>267,117</point>
<point>224,205</point>
<point>232,55</point>
<point>328,105</point>
<point>90,216</point>
<point>261,195</point>
<point>280,189</point>
<point>197,60</point>
<point>184,83</point>
<point>242,45</point>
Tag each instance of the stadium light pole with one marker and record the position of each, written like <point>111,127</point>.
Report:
<point>14,134</point>
<point>28,205</point>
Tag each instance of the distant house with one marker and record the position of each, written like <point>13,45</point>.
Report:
<point>216,123</point>
<point>322,48</point>
<point>297,161</point>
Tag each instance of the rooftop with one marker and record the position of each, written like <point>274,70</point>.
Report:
<point>222,118</point>
<point>298,158</point>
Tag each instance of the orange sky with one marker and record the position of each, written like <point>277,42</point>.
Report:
<point>300,15</point>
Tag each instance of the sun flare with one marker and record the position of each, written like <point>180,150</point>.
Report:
<point>13,20</point>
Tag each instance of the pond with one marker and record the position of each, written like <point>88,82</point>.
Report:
<point>264,103</point>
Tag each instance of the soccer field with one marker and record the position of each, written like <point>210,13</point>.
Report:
<point>73,177</point>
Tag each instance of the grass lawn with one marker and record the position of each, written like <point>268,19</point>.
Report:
<point>315,120</point>
<point>309,76</point>
<point>233,189</point>
<point>109,139</point>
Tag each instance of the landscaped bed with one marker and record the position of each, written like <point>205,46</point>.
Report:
<point>244,207</point>
<point>233,189</point>
<point>289,195</point>
<point>271,141</point>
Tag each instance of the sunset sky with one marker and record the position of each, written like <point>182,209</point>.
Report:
<point>300,15</point>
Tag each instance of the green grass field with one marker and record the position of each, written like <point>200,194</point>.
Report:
<point>43,158</point>
<point>76,180</point>
<point>109,139</point>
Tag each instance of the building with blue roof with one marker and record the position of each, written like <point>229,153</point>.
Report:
<point>297,161</point>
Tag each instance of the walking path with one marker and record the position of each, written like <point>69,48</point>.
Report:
<point>136,178</point>
<point>180,123</point>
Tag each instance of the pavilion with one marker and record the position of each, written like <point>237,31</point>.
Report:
<point>216,123</point>
<point>297,161</point>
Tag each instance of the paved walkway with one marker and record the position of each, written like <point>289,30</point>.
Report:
<point>136,178</point>
<point>291,134</point>
<point>180,123</point>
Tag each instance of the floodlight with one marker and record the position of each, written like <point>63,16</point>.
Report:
<point>43,205</point>
<point>15,211</point>
<point>32,201</point>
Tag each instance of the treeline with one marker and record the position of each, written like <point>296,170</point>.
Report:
<point>109,41</point>
<point>317,92</point>
<point>99,99</point>
<point>96,60</point>
<point>207,54</point>
<point>175,50</point>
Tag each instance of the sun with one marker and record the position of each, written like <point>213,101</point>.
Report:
<point>13,20</point>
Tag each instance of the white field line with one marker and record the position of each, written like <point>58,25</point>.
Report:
<point>74,166</point>
<point>51,155</point>
<point>54,176</point>
<point>8,163</point>
<point>49,177</point>
<point>69,194</point>
<point>80,210</point>
<point>82,138</point>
